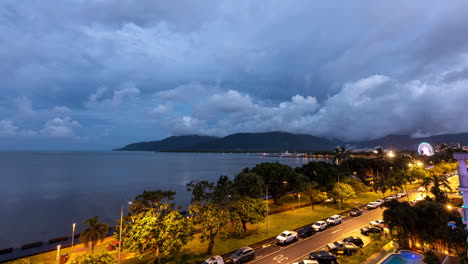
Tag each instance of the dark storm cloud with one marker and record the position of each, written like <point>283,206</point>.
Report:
<point>118,71</point>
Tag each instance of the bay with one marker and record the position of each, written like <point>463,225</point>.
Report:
<point>43,193</point>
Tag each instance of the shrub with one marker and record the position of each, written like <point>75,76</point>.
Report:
<point>430,257</point>
<point>103,258</point>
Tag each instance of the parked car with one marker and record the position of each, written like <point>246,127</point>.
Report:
<point>372,205</point>
<point>371,230</point>
<point>214,260</point>
<point>323,257</point>
<point>355,212</point>
<point>243,255</point>
<point>286,237</point>
<point>355,240</point>
<point>380,202</point>
<point>305,231</point>
<point>391,197</point>
<point>334,245</point>
<point>377,223</point>
<point>334,220</point>
<point>319,226</point>
<point>306,261</point>
<point>347,249</point>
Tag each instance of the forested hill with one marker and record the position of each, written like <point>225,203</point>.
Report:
<point>404,142</point>
<point>271,141</point>
<point>167,144</point>
<point>282,141</point>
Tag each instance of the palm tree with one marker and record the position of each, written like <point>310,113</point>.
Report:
<point>94,233</point>
<point>437,182</point>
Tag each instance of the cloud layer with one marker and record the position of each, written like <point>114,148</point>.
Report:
<point>99,74</point>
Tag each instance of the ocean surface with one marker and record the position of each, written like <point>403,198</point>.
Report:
<point>43,193</point>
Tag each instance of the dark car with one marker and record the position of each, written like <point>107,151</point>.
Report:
<point>371,230</point>
<point>355,240</point>
<point>305,231</point>
<point>243,255</point>
<point>323,257</point>
<point>355,212</point>
<point>347,249</point>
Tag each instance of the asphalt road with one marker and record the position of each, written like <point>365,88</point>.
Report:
<point>300,250</point>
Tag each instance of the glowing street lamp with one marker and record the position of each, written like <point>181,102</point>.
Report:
<point>57,258</point>
<point>391,154</point>
<point>73,237</point>
<point>120,232</point>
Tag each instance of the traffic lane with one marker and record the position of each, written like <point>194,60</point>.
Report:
<point>300,249</point>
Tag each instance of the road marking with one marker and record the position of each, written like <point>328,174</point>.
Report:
<point>337,231</point>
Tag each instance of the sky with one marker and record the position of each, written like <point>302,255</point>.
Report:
<point>99,74</point>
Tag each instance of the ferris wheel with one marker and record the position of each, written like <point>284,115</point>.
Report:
<point>425,149</point>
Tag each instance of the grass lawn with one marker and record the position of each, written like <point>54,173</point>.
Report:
<point>194,251</point>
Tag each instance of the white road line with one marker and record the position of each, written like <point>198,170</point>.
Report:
<point>337,231</point>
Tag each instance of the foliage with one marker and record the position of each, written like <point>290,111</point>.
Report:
<point>357,185</point>
<point>153,200</point>
<point>312,192</point>
<point>342,191</point>
<point>103,258</point>
<point>246,210</point>
<point>412,226</point>
<point>165,232</point>
<point>21,261</point>
<point>436,183</point>
<point>325,174</point>
<point>249,184</point>
<point>94,233</point>
<point>430,257</point>
<point>276,172</point>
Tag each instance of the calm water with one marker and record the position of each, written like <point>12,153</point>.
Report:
<point>43,193</point>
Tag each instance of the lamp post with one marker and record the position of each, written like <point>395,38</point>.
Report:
<point>120,230</point>
<point>299,200</point>
<point>57,258</point>
<point>266,199</point>
<point>73,237</point>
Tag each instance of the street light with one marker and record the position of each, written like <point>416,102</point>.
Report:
<point>120,232</point>
<point>391,154</point>
<point>299,200</point>
<point>266,198</point>
<point>57,258</point>
<point>73,237</point>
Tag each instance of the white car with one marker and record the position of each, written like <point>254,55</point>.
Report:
<point>319,226</point>
<point>379,201</point>
<point>372,205</point>
<point>286,237</point>
<point>378,223</point>
<point>307,261</point>
<point>214,260</point>
<point>402,194</point>
<point>334,220</point>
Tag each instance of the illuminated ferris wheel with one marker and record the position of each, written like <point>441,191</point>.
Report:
<point>425,149</point>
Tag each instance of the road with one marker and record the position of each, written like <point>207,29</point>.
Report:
<point>301,249</point>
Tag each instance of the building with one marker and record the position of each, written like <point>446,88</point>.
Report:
<point>463,177</point>
<point>443,146</point>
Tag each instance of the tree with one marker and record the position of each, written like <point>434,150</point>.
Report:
<point>148,200</point>
<point>275,172</point>
<point>94,233</point>
<point>401,218</point>
<point>246,210</point>
<point>343,192</point>
<point>312,192</point>
<point>164,231</point>
<point>104,258</point>
<point>341,154</point>
<point>249,184</point>
<point>209,209</point>
<point>211,219</point>
<point>437,182</point>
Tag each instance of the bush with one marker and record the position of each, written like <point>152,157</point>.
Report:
<point>103,258</point>
<point>430,257</point>
<point>21,261</point>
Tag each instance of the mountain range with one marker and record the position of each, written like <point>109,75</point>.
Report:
<point>282,141</point>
